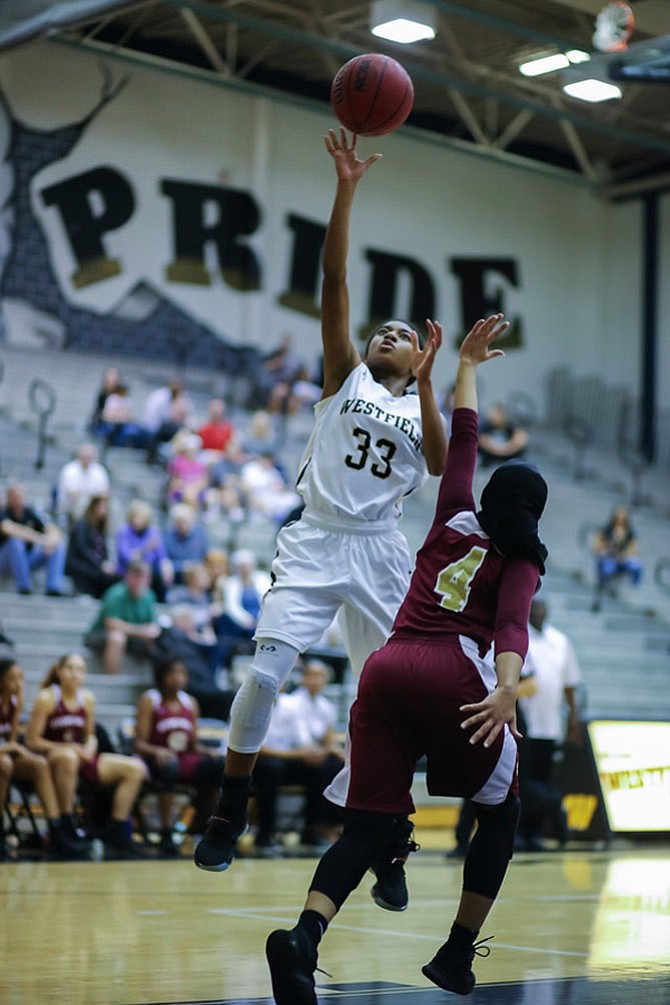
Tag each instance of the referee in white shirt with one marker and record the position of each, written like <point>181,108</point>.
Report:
<point>557,676</point>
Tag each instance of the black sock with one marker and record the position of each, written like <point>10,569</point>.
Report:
<point>118,833</point>
<point>462,936</point>
<point>314,924</point>
<point>234,797</point>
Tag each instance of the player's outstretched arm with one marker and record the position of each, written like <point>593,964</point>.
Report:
<point>435,441</point>
<point>339,353</point>
<point>475,349</point>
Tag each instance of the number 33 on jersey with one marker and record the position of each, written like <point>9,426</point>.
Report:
<point>364,454</point>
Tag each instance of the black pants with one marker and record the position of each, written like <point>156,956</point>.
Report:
<point>271,772</point>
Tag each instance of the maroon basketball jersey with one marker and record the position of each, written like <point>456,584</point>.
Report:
<point>461,585</point>
<point>66,725</point>
<point>7,718</point>
<point>172,728</point>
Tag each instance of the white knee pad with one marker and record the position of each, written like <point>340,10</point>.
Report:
<point>252,707</point>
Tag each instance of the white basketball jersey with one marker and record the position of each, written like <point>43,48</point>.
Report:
<point>364,454</point>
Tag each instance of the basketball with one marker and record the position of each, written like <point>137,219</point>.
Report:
<point>372,94</point>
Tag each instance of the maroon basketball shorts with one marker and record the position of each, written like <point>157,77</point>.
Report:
<point>408,706</point>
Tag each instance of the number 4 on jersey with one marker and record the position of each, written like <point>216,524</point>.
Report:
<point>455,580</point>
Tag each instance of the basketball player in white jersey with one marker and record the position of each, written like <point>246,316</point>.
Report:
<point>372,444</point>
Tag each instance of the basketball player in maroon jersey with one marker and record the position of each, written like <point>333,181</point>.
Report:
<point>18,763</point>
<point>62,728</point>
<point>166,736</point>
<point>428,691</point>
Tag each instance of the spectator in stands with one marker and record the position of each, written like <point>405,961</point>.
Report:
<point>300,749</point>
<point>188,478</point>
<point>117,421</point>
<point>167,410</point>
<point>17,763</point>
<point>242,594</point>
<point>275,378</point>
<point>499,438</point>
<point>185,539</point>
<point>62,729</point>
<point>557,675</point>
<point>126,619</point>
<point>266,490</point>
<point>615,548</point>
<point>166,737</point>
<point>80,480</point>
<point>111,378</point>
<point>197,649</point>
<point>225,479</point>
<point>197,593</point>
<point>140,538</point>
<point>28,542</point>
<point>261,437</point>
<point>217,432</point>
<point>88,563</point>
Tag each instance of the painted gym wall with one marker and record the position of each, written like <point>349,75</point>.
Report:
<point>577,259</point>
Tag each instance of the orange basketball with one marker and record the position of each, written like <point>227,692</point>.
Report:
<point>372,94</point>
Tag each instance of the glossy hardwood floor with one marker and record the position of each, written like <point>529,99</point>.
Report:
<point>579,927</point>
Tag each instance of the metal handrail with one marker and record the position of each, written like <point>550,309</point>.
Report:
<point>43,399</point>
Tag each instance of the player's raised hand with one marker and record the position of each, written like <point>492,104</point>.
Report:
<point>423,359</point>
<point>475,346</point>
<point>347,163</point>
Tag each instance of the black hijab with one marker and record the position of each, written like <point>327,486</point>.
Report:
<point>511,505</point>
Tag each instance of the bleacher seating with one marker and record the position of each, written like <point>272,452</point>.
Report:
<point>623,650</point>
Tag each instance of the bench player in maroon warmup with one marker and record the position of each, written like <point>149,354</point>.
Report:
<point>429,691</point>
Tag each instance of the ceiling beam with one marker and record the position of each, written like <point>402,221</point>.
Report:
<point>419,72</point>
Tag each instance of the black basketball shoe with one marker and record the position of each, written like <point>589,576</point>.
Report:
<point>217,848</point>
<point>390,890</point>
<point>451,967</point>
<point>292,959</point>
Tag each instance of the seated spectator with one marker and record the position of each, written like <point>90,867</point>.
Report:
<point>261,437</point>
<point>242,594</point>
<point>305,391</point>
<point>17,763</point>
<point>167,410</point>
<point>117,422</point>
<point>62,729</point>
<point>185,539</point>
<point>274,377</point>
<point>196,592</point>
<point>266,490</point>
<point>28,542</point>
<point>166,737</point>
<point>80,480</point>
<point>499,439</point>
<point>188,478</point>
<point>197,649</point>
<point>224,477</point>
<point>217,432</point>
<point>139,538</point>
<point>218,569</point>
<point>111,378</point>
<point>300,749</point>
<point>88,563</point>
<point>126,619</point>
<point>615,549</point>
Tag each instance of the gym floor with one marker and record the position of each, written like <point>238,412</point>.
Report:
<point>580,926</point>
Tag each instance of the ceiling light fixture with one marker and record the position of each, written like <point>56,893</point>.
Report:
<point>556,61</point>
<point>592,90</point>
<point>402,21</point>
